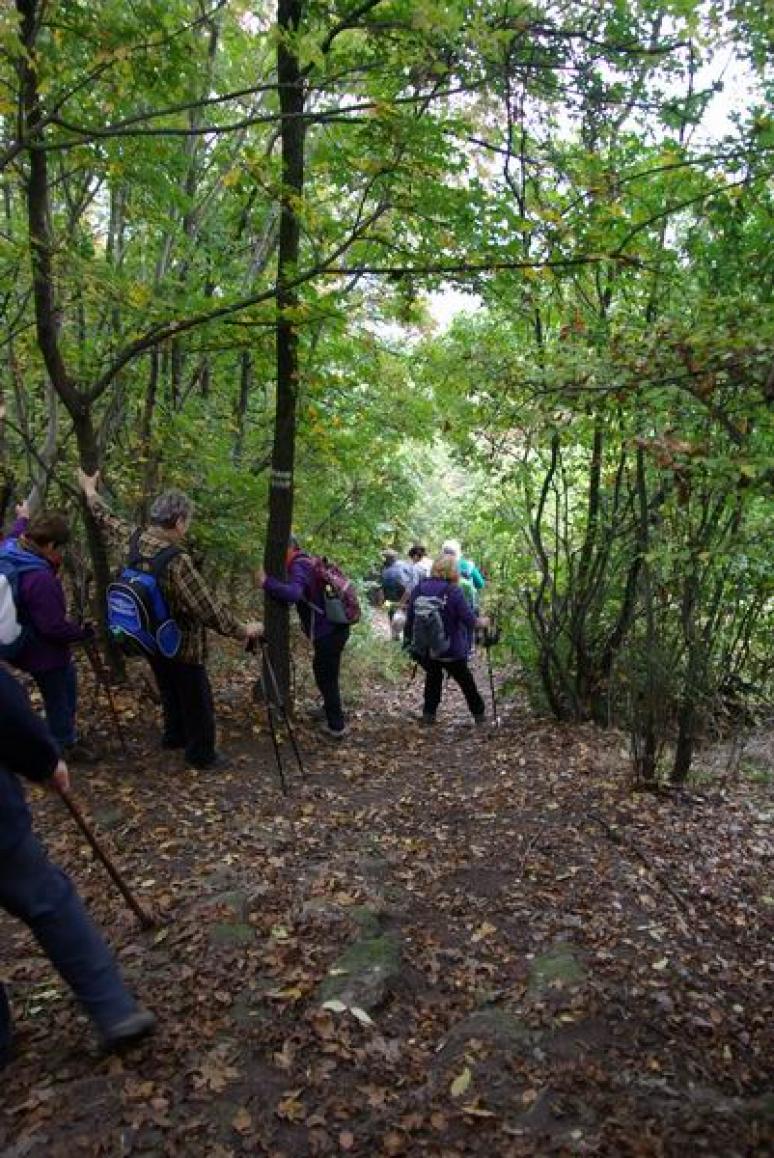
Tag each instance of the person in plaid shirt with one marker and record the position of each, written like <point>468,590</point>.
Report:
<point>184,686</point>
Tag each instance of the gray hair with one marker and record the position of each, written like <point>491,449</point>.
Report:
<point>169,507</point>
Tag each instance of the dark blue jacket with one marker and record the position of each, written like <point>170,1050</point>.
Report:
<point>26,749</point>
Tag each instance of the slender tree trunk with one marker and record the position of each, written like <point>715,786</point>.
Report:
<point>44,292</point>
<point>291,96</point>
<point>644,718</point>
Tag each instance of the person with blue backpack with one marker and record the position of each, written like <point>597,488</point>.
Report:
<point>439,623</point>
<point>160,607</point>
<point>36,634</point>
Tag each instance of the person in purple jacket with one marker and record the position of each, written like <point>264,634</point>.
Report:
<point>459,621</point>
<point>328,639</point>
<point>35,546</point>
<point>38,893</point>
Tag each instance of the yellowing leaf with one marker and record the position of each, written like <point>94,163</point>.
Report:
<point>242,1122</point>
<point>460,1083</point>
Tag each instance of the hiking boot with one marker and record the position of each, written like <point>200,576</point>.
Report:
<point>335,733</point>
<point>428,719</point>
<point>79,753</point>
<point>129,1030</point>
<point>170,744</point>
<point>479,720</point>
<point>218,762</point>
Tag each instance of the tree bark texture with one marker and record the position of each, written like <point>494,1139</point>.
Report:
<point>292,133</point>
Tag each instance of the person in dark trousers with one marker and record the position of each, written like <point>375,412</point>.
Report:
<point>40,894</point>
<point>459,621</point>
<point>34,547</point>
<point>184,686</point>
<point>328,639</point>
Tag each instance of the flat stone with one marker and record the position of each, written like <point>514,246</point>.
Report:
<point>232,933</point>
<point>558,968</point>
<point>361,975</point>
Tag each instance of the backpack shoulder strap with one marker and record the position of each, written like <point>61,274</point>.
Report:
<point>135,556</point>
<point>154,565</point>
<point>159,563</point>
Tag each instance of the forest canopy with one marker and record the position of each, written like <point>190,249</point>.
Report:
<point>221,226</point>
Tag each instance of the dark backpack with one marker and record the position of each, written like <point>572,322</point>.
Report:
<point>338,594</point>
<point>428,631</point>
<point>137,614</point>
<point>15,630</point>
<point>395,579</point>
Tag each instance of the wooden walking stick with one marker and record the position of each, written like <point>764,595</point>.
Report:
<point>142,916</point>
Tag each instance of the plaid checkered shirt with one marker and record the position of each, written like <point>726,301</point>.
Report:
<point>190,601</point>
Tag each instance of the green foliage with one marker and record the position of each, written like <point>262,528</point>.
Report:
<point>599,434</point>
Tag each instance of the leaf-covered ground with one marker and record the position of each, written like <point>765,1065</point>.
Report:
<point>444,941</point>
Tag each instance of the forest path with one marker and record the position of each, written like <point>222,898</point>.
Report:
<point>522,956</point>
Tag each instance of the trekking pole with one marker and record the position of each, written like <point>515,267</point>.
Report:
<point>280,705</point>
<point>142,916</point>
<point>491,637</point>
<point>101,678</point>
<point>274,740</point>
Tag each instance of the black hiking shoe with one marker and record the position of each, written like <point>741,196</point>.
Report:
<point>335,733</point>
<point>129,1030</point>
<point>219,761</point>
<point>428,719</point>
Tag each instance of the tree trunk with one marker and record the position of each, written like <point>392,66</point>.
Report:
<point>46,310</point>
<point>291,95</point>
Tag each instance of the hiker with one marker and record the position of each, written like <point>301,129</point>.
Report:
<point>438,625</point>
<point>33,552</point>
<point>41,895</point>
<point>421,561</point>
<point>183,683</point>
<point>472,581</point>
<point>328,638</point>
<point>399,577</point>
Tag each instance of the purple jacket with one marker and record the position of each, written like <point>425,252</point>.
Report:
<point>42,599</point>
<point>458,619</point>
<point>302,589</point>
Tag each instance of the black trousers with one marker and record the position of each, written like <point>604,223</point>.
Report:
<point>460,672</point>
<point>188,709</point>
<point>326,666</point>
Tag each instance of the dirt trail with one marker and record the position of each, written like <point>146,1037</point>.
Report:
<point>518,956</point>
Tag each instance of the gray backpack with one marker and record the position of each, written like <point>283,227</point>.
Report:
<point>428,633</point>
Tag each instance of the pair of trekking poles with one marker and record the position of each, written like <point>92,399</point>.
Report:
<point>275,707</point>
<point>490,638</point>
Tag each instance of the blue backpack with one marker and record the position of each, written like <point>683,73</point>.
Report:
<point>138,618</point>
<point>15,629</point>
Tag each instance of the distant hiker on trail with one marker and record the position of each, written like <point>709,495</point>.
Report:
<point>438,627</point>
<point>34,597</point>
<point>37,892</point>
<point>184,686</point>
<point>472,581</point>
<point>399,578</point>
<point>421,561</point>
<point>329,638</point>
